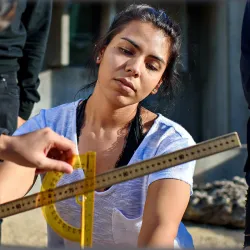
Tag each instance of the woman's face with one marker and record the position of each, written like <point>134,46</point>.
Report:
<point>132,64</point>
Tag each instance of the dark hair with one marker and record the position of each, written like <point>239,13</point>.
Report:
<point>148,14</point>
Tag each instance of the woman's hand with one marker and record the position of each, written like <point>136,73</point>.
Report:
<point>43,149</point>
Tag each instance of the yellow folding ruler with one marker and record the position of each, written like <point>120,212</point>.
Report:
<point>51,194</point>
<point>87,162</point>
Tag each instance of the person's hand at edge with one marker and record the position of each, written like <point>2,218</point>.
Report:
<point>43,149</point>
<point>20,121</point>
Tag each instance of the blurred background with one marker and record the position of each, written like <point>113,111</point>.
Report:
<point>211,102</point>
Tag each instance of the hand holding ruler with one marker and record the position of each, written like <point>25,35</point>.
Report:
<point>50,194</point>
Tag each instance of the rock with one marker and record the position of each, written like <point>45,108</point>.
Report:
<point>218,203</point>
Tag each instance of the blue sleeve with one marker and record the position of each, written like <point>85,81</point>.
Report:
<point>182,172</point>
<point>35,123</point>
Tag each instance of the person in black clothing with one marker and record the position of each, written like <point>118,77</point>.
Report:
<point>23,38</point>
<point>245,74</point>
<point>22,49</point>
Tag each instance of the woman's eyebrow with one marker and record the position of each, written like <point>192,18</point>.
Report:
<point>139,48</point>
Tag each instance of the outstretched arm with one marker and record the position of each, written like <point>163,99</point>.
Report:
<point>165,205</point>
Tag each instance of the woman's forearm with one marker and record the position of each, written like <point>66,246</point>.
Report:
<point>161,236</point>
<point>3,145</point>
<point>15,180</point>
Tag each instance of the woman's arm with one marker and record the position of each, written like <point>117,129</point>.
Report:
<point>15,181</point>
<point>166,202</point>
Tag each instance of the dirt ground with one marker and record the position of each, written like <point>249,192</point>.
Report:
<point>29,229</point>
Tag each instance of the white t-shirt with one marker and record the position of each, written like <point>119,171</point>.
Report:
<point>118,211</point>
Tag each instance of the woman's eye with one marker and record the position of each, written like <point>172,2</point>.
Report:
<point>151,67</point>
<point>126,51</point>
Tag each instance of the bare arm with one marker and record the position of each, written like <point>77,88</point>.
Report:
<point>166,202</point>
<point>15,181</point>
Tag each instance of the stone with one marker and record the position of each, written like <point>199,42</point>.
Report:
<point>220,203</point>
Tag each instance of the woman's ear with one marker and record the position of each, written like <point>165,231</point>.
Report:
<point>100,56</point>
<point>155,90</point>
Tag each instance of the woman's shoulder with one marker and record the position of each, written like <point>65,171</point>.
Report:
<point>172,127</point>
<point>59,117</point>
<point>161,126</point>
<point>62,108</point>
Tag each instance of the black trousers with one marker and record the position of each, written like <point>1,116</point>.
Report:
<point>9,105</point>
<point>9,102</point>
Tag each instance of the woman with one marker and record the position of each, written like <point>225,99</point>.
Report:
<point>136,57</point>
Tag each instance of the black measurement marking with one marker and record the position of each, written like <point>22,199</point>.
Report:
<point>198,151</point>
<point>175,158</point>
<point>169,160</point>
<point>13,207</point>
<point>204,149</point>
<point>153,165</point>
<point>71,190</point>
<point>158,163</point>
<point>66,192</point>
<point>60,193</point>
<point>227,142</point>
<point>125,174</point>
<point>103,180</point>
<point>209,148</point>
<point>215,146</point>
<point>164,162</point>
<point>221,144</point>
<point>3,210</point>
<point>181,157</point>
<point>192,153</point>
<point>49,196</point>
<point>136,170</point>
<point>146,167</point>
<point>142,169</point>
<point>232,140</point>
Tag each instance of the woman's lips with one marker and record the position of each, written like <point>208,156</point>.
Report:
<point>127,84</point>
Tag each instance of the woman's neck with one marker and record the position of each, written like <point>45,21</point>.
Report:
<point>101,114</point>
